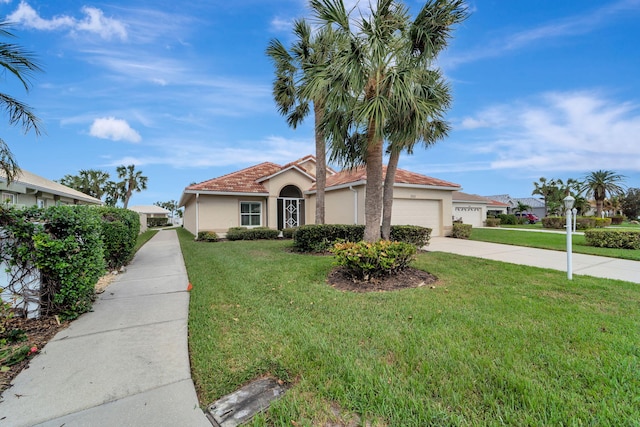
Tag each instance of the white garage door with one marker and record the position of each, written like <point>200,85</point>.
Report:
<point>469,214</point>
<point>425,213</point>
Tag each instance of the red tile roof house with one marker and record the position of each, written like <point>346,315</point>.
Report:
<point>274,196</point>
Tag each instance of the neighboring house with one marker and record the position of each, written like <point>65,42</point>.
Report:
<point>279,197</point>
<point>472,209</point>
<point>537,205</point>
<point>29,189</point>
<point>149,211</point>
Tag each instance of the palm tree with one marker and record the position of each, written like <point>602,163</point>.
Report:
<point>370,78</point>
<point>288,91</point>
<point>132,181</point>
<point>600,184</point>
<point>16,61</point>
<point>96,181</point>
<point>522,207</point>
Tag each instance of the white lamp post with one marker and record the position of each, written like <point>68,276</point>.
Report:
<point>568,205</point>
<point>574,211</point>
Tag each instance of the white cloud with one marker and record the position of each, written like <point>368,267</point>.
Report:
<point>114,129</point>
<point>571,131</point>
<point>93,22</point>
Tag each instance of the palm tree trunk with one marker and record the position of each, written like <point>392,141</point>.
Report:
<point>373,188</point>
<point>599,205</point>
<point>387,198</point>
<point>321,162</point>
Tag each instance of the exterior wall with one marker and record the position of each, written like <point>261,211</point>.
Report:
<point>143,222</point>
<point>340,206</point>
<point>189,215</point>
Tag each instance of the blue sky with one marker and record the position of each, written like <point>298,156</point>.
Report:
<point>183,91</point>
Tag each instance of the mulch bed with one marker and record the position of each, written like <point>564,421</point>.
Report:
<point>38,332</point>
<point>340,279</point>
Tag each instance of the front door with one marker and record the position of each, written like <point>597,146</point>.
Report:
<point>291,213</point>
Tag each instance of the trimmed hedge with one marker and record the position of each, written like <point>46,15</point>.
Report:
<point>493,222</point>
<point>321,237</point>
<point>207,236</point>
<point>120,229</point>
<point>616,239</point>
<point>258,233</point>
<point>288,233</point>
<point>64,244</point>
<point>157,222</point>
<point>603,222</point>
<point>508,219</point>
<point>461,231</point>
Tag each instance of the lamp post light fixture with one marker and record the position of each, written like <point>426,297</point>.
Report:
<point>568,205</point>
<point>574,211</point>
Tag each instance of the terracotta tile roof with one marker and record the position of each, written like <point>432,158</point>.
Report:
<point>242,181</point>
<point>403,176</point>
<point>496,203</point>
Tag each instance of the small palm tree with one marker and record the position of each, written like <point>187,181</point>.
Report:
<point>600,184</point>
<point>132,181</point>
<point>522,207</point>
<point>14,60</point>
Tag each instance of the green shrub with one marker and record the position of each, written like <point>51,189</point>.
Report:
<point>508,219</point>
<point>412,234</point>
<point>461,231</point>
<point>68,251</point>
<point>120,229</point>
<point>585,222</point>
<point>258,233</point>
<point>321,237</point>
<point>554,222</point>
<point>367,261</point>
<point>207,236</point>
<point>616,239</point>
<point>157,222</point>
<point>288,233</point>
<point>493,222</point>
<point>603,222</point>
<point>617,219</point>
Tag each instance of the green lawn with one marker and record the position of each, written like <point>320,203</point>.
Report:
<point>492,344</point>
<point>544,240</point>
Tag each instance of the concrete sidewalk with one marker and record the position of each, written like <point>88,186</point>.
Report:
<point>590,265</point>
<point>124,364</point>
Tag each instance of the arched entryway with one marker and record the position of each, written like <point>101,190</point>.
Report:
<point>290,207</point>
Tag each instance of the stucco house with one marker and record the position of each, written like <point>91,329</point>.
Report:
<point>29,189</point>
<point>537,205</point>
<point>280,197</point>
<point>149,211</point>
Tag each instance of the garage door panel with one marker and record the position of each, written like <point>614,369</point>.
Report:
<point>425,213</point>
<point>469,215</point>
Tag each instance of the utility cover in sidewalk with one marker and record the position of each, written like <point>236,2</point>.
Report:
<point>238,407</point>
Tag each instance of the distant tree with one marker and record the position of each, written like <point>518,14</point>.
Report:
<point>20,63</point>
<point>522,207</point>
<point>600,184</point>
<point>171,206</point>
<point>132,180</point>
<point>546,189</point>
<point>112,193</point>
<point>631,203</point>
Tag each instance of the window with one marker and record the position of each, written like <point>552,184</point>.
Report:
<point>250,214</point>
<point>9,198</point>
<point>40,203</point>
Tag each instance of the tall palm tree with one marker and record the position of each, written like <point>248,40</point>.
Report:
<point>309,49</point>
<point>95,182</point>
<point>600,184</point>
<point>19,63</point>
<point>132,181</point>
<point>371,76</point>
